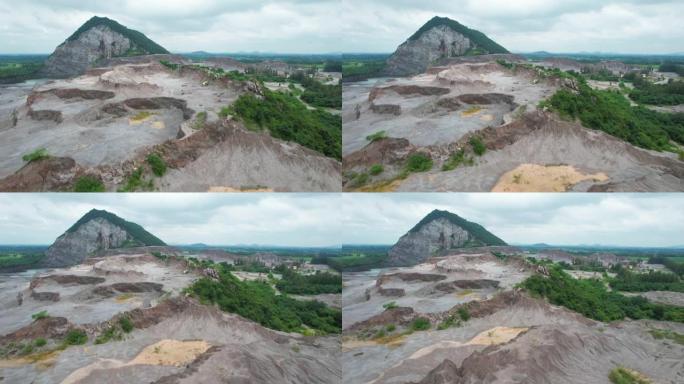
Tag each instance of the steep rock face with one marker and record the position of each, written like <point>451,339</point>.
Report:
<point>73,58</point>
<point>98,39</point>
<point>96,231</point>
<point>414,56</point>
<point>440,38</point>
<point>438,232</point>
<point>432,238</point>
<point>73,247</point>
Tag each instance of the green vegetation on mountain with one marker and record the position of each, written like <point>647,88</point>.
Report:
<point>143,44</point>
<point>476,230</point>
<point>287,118</point>
<point>610,111</point>
<point>15,72</point>
<point>677,68</point>
<point>257,301</point>
<point>298,284</point>
<point>591,298</point>
<point>357,261</point>
<point>479,39</point>
<point>138,233</point>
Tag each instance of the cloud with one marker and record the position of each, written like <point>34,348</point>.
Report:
<point>306,219</point>
<point>290,26</point>
<point>527,25</point>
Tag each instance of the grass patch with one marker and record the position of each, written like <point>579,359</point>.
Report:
<point>622,375</point>
<point>420,324</point>
<point>456,159</point>
<point>76,337</point>
<point>135,182</point>
<point>449,322</point>
<point>200,120</point>
<point>157,164</point>
<point>376,136</point>
<point>126,324</point>
<point>376,169</point>
<point>418,162</point>
<point>111,333</point>
<point>464,314</point>
<point>390,305</point>
<point>40,315</point>
<point>39,342</point>
<point>478,145</point>
<point>89,184</point>
<point>38,154</point>
<point>667,334</point>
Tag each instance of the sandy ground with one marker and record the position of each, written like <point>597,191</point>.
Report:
<point>538,178</point>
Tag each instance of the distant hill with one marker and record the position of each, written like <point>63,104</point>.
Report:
<point>97,230</point>
<point>98,39</point>
<point>440,38</point>
<point>437,233</point>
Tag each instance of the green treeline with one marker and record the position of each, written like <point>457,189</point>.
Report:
<point>258,302</point>
<point>591,298</point>
<point>287,118</point>
<point>298,284</point>
<point>610,111</point>
<point>645,92</point>
<point>628,281</point>
<point>317,93</point>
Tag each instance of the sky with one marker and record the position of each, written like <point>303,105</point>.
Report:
<point>282,26</point>
<point>570,26</point>
<point>307,219</point>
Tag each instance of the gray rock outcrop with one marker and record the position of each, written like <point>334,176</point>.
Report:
<point>73,247</point>
<point>414,56</point>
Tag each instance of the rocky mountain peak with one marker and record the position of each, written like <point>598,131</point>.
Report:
<point>439,38</point>
<point>436,233</point>
<point>97,230</point>
<point>98,39</point>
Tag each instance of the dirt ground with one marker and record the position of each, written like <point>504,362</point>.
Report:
<point>509,338</point>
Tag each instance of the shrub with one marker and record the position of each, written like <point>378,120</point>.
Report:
<point>200,120</point>
<point>359,180</point>
<point>39,342</point>
<point>376,169</point>
<point>456,159</point>
<point>391,328</point>
<point>376,136</point>
<point>157,164</point>
<point>420,324</point>
<point>36,155</point>
<point>621,375</point>
<point>126,324</point>
<point>464,314</point>
<point>28,348</point>
<point>390,305</point>
<point>88,184</point>
<point>76,337</point>
<point>39,315</point>
<point>418,162</point>
<point>478,145</point>
<point>379,334</point>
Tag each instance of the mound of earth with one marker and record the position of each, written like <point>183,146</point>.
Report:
<point>103,126</point>
<point>205,344</point>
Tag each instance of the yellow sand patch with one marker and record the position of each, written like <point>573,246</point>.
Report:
<point>540,178</point>
<point>158,125</point>
<point>247,189</point>
<point>124,297</point>
<point>392,341</point>
<point>383,186</point>
<point>497,335</point>
<point>42,360</point>
<point>141,117</point>
<point>171,352</point>
<point>464,293</point>
<point>487,117</point>
<point>166,352</point>
<point>472,111</point>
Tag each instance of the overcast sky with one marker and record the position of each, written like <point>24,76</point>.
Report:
<point>621,26</point>
<point>333,219</point>
<point>283,26</point>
